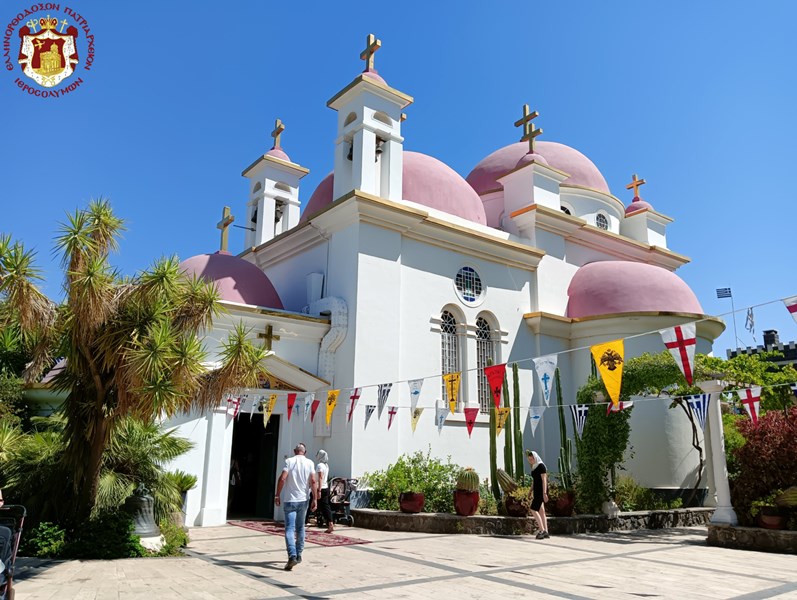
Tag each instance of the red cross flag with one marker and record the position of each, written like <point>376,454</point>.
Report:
<point>751,400</point>
<point>680,341</point>
<point>791,306</point>
<point>355,395</point>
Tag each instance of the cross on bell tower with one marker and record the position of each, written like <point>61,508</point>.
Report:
<point>529,133</point>
<point>277,133</point>
<point>226,221</point>
<point>372,45</point>
<point>636,182</point>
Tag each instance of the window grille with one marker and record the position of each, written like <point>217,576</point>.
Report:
<point>602,222</point>
<point>469,285</point>
<point>449,349</point>
<point>485,356</point>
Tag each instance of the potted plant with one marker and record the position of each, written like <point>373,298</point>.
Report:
<point>466,494</point>
<point>515,497</point>
<point>561,501</point>
<point>183,482</point>
<point>411,502</point>
<point>767,513</point>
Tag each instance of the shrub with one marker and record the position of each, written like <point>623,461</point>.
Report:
<point>767,461</point>
<point>45,540</point>
<point>629,496</point>
<point>107,535</point>
<point>416,472</point>
<point>175,538</point>
<point>487,502</point>
<point>733,441</point>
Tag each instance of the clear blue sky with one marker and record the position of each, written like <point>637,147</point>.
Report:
<point>698,98</point>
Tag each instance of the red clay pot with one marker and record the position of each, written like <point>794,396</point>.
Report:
<point>466,503</point>
<point>411,502</point>
<point>563,507</point>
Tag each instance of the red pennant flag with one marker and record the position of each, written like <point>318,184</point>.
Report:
<point>355,395</point>
<point>681,341</point>
<point>391,412</point>
<point>314,407</point>
<point>291,402</point>
<point>236,403</point>
<point>620,406</point>
<point>470,418</point>
<point>751,400</point>
<point>495,377</point>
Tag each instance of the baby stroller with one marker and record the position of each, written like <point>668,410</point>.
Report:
<point>340,490</point>
<point>11,520</point>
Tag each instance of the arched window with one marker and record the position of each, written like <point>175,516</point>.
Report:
<point>449,348</point>
<point>485,356</point>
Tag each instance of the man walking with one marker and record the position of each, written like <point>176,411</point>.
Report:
<point>297,481</point>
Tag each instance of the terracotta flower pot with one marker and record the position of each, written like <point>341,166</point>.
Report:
<point>771,517</point>
<point>564,504</point>
<point>411,502</point>
<point>515,508</point>
<point>466,503</point>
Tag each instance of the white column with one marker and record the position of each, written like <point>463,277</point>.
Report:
<point>217,468</point>
<point>724,512</point>
<point>392,167</point>
<point>363,163</point>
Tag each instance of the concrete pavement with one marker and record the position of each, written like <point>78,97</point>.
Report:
<point>232,562</point>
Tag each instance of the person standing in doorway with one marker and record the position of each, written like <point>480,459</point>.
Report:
<point>298,482</point>
<point>539,492</point>
<point>322,474</point>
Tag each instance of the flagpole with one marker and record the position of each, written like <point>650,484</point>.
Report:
<point>735,335</point>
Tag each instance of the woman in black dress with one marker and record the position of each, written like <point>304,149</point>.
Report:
<point>539,492</point>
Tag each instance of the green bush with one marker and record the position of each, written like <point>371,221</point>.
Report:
<point>416,472</point>
<point>733,441</point>
<point>175,538</point>
<point>107,535</point>
<point>630,496</point>
<point>487,503</point>
<point>45,540</point>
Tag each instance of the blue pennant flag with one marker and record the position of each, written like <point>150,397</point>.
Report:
<point>699,407</point>
<point>579,416</point>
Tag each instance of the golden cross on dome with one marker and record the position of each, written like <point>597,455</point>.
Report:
<point>367,55</point>
<point>635,183</point>
<point>226,221</point>
<point>268,336</point>
<point>277,133</point>
<point>529,133</point>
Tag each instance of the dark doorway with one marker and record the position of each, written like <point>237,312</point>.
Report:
<point>254,451</point>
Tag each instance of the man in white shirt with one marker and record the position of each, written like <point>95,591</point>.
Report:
<point>297,482</point>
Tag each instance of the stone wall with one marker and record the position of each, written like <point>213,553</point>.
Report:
<point>752,538</point>
<point>387,520</point>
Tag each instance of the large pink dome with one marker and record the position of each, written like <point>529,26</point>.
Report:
<point>611,287</point>
<point>236,279</point>
<point>484,176</point>
<point>427,181</point>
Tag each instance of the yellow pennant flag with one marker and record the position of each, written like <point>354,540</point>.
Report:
<point>272,401</point>
<point>609,359</point>
<point>415,415</point>
<point>500,419</point>
<point>332,401</point>
<point>452,389</point>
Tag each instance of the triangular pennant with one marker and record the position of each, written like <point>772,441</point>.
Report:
<point>681,341</point>
<point>308,402</point>
<point>579,416</point>
<point>452,389</point>
<point>500,419</point>
<point>272,401</point>
<point>751,400</point>
<point>620,406</point>
<point>391,412</point>
<point>353,398</point>
<point>495,378</point>
<point>332,402</point>
<point>415,415</point>
<point>699,407</point>
<point>415,393</point>
<point>546,367</point>
<point>470,418</point>
<point>369,410</point>
<point>384,392</point>
<point>236,405</point>
<point>535,416</point>
<point>609,360</point>
<point>313,408</point>
<point>791,306</point>
<point>252,408</point>
<point>439,416</point>
<point>291,402</point>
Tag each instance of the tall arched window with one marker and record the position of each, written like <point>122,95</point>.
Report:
<point>485,356</point>
<point>449,348</point>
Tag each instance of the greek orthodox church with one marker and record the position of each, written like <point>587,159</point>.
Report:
<point>399,269</point>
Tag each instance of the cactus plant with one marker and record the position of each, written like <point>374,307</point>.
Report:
<point>509,463</point>
<point>518,435</point>
<point>468,480</point>
<point>566,444</point>
<point>494,487</point>
<point>507,483</point>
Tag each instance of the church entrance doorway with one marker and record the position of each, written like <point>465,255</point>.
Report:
<point>253,467</point>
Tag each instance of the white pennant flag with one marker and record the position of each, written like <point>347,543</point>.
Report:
<point>681,343</point>
<point>252,409</point>
<point>353,398</point>
<point>440,413</point>
<point>546,367</point>
<point>308,400</point>
<point>791,306</point>
<point>369,410</point>
<point>699,407</point>
<point>415,393</point>
<point>751,400</point>
<point>384,392</point>
<point>579,416</point>
<point>535,416</point>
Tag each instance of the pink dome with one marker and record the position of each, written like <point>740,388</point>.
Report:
<point>637,204</point>
<point>611,287</point>
<point>372,74</point>
<point>278,153</point>
<point>484,177</point>
<point>427,181</point>
<point>236,279</point>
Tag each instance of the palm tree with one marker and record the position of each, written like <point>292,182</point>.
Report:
<point>132,345</point>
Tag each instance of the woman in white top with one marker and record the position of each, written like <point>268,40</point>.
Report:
<point>322,471</point>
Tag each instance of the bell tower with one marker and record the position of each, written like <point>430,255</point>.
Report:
<point>369,146</point>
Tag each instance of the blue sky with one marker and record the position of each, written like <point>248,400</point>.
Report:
<point>697,98</point>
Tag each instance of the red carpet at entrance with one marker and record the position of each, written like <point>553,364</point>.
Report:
<point>311,535</point>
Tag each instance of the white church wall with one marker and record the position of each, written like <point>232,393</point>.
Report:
<point>556,275</point>
<point>289,275</point>
<point>192,427</point>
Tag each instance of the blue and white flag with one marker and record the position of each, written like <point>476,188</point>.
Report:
<point>369,410</point>
<point>535,416</point>
<point>579,416</point>
<point>699,407</point>
<point>546,367</point>
<point>440,415</point>
<point>415,393</point>
<point>384,392</point>
<point>308,401</point>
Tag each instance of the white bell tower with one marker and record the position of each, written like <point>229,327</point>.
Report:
<point>369,146</point>
<point>273,206</point>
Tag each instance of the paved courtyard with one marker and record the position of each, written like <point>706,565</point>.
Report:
<point>232,562</point>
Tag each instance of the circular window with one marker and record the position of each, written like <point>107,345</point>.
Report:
<point>566,210</point>
<point>602,221</point>
<point>469,285</point>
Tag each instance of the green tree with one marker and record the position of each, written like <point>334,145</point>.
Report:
<point>132,345</point>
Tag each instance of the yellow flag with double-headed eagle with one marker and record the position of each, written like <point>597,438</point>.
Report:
<point>452,389</point>
<point>609,360</point>
<point>332,402</point>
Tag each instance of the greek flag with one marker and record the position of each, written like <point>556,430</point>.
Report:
<point>384,392</point>
<point>579,416</point>
<point>723,292</point>
<point>699,407</point>
<point>369,410</point>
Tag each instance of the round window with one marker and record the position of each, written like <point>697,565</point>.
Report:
<point>602,221</point>
<point>566,210</point>
<point>469,285</point>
